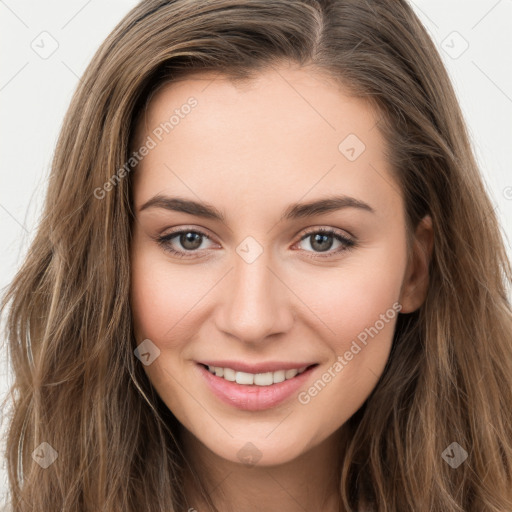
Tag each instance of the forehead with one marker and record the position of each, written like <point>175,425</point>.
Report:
<point>286,129</point>
<point>292,94</point>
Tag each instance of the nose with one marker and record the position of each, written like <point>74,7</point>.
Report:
<point>257,302</point>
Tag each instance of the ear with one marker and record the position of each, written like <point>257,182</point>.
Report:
<point>416,278</point>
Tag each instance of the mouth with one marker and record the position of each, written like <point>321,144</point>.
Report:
<point>255,390</point>
<point>257,378</point>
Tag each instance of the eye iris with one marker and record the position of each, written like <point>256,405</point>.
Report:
<point>319,240</point>
<point>190,238</point>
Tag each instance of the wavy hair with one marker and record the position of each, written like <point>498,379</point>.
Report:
<point>77,385</point>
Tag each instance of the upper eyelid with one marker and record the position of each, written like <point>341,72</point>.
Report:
<point>336,231</point>
<point>179,231</point>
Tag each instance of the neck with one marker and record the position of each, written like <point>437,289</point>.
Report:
<point>309,482</point>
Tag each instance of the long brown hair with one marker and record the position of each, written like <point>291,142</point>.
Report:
<point>78,386</point>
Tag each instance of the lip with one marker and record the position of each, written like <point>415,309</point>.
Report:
<point>254,398</point>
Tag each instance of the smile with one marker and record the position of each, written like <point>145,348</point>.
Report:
<point>256,379</point>
<point>255,390</point>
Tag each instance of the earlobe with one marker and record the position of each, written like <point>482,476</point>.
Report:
<point>416,279</point>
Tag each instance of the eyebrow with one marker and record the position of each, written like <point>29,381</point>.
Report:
<point>294,211</point>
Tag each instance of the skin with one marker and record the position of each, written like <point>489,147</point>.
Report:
<point>251,150</point>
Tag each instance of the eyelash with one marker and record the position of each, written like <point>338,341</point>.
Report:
<point>164,242</point>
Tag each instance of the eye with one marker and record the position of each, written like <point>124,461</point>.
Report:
<point>190,241</point>
<point>321,241</point>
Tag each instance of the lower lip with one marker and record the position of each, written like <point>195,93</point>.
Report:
<point>253,398</point>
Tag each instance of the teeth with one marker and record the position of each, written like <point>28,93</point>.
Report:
<point>258,379</point>
<point>244,378</point>
<point>264,379</point>
<point>229,374</point>
<point>289,374</point>
<point>279,376</point>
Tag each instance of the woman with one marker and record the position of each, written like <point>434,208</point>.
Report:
<point>184,334</point>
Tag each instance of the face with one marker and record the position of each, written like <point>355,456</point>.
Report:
<point>269,238</point>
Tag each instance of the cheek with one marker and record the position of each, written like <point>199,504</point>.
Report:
<point>353,296</point>
<point>369,299</point>
<point>358,308</point>
<point>164,308</point>
<point>162,298</point>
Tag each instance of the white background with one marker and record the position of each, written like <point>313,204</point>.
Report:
<point>35,93</point>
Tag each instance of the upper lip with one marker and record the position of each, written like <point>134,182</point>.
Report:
<point>264,367</point>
